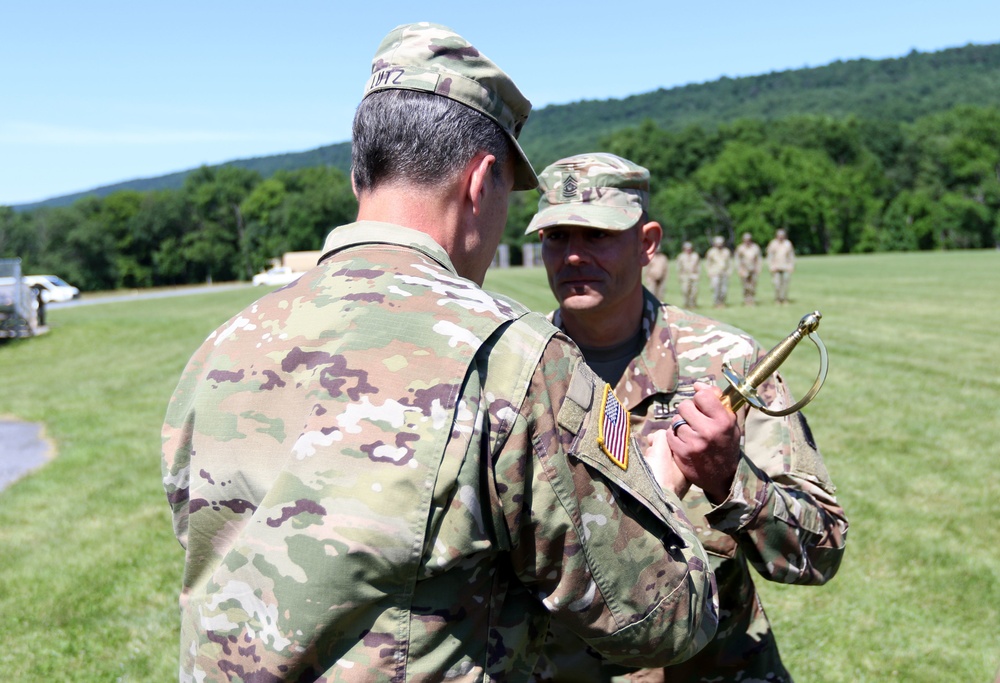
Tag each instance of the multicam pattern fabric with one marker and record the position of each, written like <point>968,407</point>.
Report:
<point>781,517</point>
<point>383,473</point>
<point>433,58</point>
<point>596,190</point>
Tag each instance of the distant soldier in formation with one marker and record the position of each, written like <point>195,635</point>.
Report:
<point>719,264</point>
<point>781,263</point>
<point>748,265</point>
<point>655,274</point>
<point>689,269</point>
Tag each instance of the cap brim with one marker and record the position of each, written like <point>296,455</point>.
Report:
<point>524,174</point>
<point>585,216</point>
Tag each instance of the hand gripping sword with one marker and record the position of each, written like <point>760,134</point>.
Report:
<point>744,389</point>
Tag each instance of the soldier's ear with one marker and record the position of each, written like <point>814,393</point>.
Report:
<point>650,234</point>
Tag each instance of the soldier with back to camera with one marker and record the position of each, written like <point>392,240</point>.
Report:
<point>382,472</point>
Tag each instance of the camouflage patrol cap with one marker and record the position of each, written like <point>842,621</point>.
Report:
<point>596,190</point>
<point>433,58</point>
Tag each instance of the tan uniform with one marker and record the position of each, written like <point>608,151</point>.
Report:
<point>719,263</point>
<point>655,274</point>
<point>781,263</point>
<point>689,269</point>
<point>748,265</point>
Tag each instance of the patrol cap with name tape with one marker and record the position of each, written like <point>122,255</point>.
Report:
<point>433,58</point>
<point>595,190</point>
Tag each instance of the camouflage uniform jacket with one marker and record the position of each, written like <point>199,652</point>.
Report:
<point>381,472</point>
<point>688,265</point>
<point>748,258</point>
<point>780,255</point>
<point>718,261</point>
<point>781,516</point>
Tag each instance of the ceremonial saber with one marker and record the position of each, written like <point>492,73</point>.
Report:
<point>744,389</point>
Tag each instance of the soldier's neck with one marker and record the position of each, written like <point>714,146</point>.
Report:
<point>604,327</point>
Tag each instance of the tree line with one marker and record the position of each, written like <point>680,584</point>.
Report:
<point>901,89</point>
<point>836,185</point>
<point>225,223</point>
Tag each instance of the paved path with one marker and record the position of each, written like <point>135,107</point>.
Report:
<point>22,449</point>
<point>151,294</point>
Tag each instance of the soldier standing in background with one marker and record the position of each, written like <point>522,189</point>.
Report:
<point>748,265</point>
<point>781,263</point>
<point>689,270</point>
<point>383,472</point>
<point>765,500</point>
<point>655,274</point>
<point>719,264</point>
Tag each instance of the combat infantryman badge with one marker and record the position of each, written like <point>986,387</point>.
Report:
<point>615,429</point>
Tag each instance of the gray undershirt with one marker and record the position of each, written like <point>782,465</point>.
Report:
<point>609,362</point>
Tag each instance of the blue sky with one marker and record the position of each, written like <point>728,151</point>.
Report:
<point>93,93</point>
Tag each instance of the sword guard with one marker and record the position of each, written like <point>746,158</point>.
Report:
<point>744,389</point>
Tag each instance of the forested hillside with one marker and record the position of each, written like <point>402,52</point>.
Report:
<point>836,185</point>
<point>899,90</point>
<point>917,167</point>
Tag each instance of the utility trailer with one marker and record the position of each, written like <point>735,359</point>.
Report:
<point>19,302</point>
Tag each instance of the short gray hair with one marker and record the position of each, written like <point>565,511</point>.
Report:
<point>419,138</point>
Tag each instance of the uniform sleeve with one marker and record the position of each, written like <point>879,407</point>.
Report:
<point>606,551</point>
<point>781,508</point>
<point>176,438</point>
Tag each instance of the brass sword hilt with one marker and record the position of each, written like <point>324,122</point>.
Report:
<point>744,389</point>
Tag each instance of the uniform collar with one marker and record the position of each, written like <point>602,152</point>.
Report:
<point>375,232</point>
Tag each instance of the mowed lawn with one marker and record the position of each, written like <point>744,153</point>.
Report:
<point>908,421</point>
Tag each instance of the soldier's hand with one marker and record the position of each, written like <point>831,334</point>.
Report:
<point>661,461</point>
<point>707,448</point>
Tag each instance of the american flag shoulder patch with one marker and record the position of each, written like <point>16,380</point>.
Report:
<point>614,432</point>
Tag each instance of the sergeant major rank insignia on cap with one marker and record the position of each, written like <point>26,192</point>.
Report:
<point>615,428</point>
<point>569,187</point>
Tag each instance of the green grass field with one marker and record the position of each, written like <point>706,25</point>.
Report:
<point>909,423</point>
